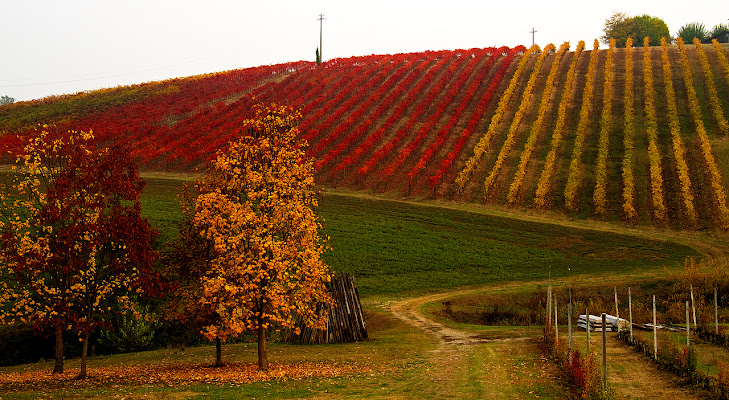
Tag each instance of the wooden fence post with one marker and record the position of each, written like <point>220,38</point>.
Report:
<point>630,314</point>
<point>549,299</point>
<point>617,310</point>
<point>716,311</point>
<point>587,316</point>
<point>693,305</point>
<point>569,316</point>
<point>688,327</point>
<point>549,305</point>
<point>604,354</point>
<point>556,330</point>
<point>569,328</point>
<point>655,335</point>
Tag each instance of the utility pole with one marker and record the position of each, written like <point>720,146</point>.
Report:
<point>533,31</point>
<point>321,23</point>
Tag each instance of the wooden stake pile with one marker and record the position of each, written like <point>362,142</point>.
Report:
<point>345,321</point>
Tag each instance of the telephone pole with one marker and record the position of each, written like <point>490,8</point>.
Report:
<point>533,31</point>
<point>321,23</point>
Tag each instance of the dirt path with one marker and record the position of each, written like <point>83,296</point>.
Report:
<point>508,370</point>
<point>409,311</point>
<point>632,376</point>
<point>467,365</point>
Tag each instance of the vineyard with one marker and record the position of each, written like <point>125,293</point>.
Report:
<point>636,134</point>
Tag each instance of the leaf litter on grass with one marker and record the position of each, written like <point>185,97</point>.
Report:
<point>175,374</point>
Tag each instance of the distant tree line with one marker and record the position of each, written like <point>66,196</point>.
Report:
<point>6,100</point>
<point>621,26</point>
<point>697,30</point>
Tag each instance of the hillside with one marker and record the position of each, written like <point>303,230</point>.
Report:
<point>637,135</point>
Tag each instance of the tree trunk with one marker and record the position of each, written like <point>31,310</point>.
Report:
<point>262,356</point>
<point>84,352</point>
<point>218,352</point>
<point>58,368</point>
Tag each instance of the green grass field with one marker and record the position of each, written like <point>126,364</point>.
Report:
<point>397,248</point>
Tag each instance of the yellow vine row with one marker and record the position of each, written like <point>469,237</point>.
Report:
<point>628,137</point>
<point>651,126</point>
<point>514,127</point>
<point>483,143</point>
<point>573,177</point>
<point>695,108</point>
<point>711,88</point>
<point>544,184</point>
<point>722,58</point>
<point>537,126</point>
<point>675,127</point>
<point>598,196</point>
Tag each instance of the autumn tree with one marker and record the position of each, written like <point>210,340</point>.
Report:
<point>74,245</point>
<point>621,26</point>
<point>188,259</point>
<point>255,210</point>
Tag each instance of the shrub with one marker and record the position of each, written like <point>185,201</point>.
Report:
<point>692,30</point>
<point>718,29</point>
<point>723,380</point>
<point>581,374</point>
<point>130,334</point>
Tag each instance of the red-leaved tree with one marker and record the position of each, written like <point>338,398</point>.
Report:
<point>74,245</point>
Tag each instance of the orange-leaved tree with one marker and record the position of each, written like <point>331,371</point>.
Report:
<point>73,244</point>
<point>256,209</point>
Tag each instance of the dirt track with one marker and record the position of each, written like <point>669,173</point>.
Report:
<point>466,365</point>
<point>630,375</point>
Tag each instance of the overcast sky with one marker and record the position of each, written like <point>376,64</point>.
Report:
<point>51,47</point>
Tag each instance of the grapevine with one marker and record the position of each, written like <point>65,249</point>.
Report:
<point>654,155</point>
<point>538,125</point>
<point>711,88</point>
<point>716,185</point>
<point>485,140</point>
<point>573,177</point>
<point>603,142</point>
<point>514,127</point>
<point>543,186</point>
<point>628,137</point>
<point>678,151</point>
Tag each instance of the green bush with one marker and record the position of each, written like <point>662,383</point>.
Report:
<point>129,335</point>
<point>692,30</point>
<point>718,29</point>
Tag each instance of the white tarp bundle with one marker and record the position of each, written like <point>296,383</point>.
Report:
<point>612,322</point>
